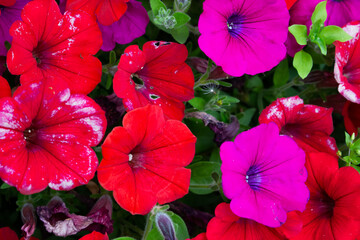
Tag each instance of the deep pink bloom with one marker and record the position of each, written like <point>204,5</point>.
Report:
<point>49,44</point>
<point>351,114</point>
<point>227,226</point>
<point>309,125</point>
<point>5,90</point>
<point>333,211</point>
<point>244,36</point>
<point>143,161</point>
<point>107,11</point>
<point>10,11</point>
<point>46,135</point>
<point>263,174</point>
<point>130,26</point>
<point>347,64</point>
<point>339,13</point>
<point>95,236</point>
<point>156,75</point>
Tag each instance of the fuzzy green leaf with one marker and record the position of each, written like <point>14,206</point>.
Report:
<point>303,63</point>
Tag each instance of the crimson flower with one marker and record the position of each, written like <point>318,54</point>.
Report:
<point>47,43</point>
<point>106,11</point>
<point>95,236</point>
<point>5,90</point>
<point>309,125</point>
<point>143,161</point>
<point>228,226</point>
<point>46,135</point>
<point>333,211</point>
<point>347,64</point>
<point>351,114</point>
<point>7,233</point>
<point>157,75</point>
<point>7,3</point>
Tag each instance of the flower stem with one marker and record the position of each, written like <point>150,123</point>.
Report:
<point>148,226</point>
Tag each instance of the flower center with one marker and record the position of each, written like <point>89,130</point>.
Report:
<point>326,205</point>
<point>253,178</point>
<point>30,136</point>
<point>234,24</point>
<point>135,161</point>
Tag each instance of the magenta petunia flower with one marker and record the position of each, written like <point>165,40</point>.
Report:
<point>263,174</point>
<point>10,11</point>
<point>130,26</point>
<point>244,36</point>
<point>339,13</point>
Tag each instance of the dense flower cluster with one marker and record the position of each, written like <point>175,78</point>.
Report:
<point>87,121</point>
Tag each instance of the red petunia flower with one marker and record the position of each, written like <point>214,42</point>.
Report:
<point>46,136</point>
<point>143,161</point>
<point>309,125</point>
<point>333,211</point>
<point>7,233</point>
<point>7,3</point>
<point>157,75</point>
<point>347,63</point>
<point>289,3</point>
<point>351,114</point>
<point>228,226</point>
<point>47,43</point>
<point>106,11</point>
<point>95,236</point>
<point>5,90</point>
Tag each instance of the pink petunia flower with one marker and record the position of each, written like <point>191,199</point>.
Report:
<point>244,36</point>
<point>143,161</point>
<point>227,226</point>
<point>46,135</point>
<point>309,125</point>
<point>333,211</point>
<point>156,75</point>
<point>351,114</point>
<point>264,175</point>
<point>49,44</point>
<point>95,236</point>
<point>347,64</point>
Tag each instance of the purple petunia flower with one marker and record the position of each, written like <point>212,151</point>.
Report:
<point>130,26</point>
<point>339,13</point>
<point>244,36</point>
<point>264,175</point>
<point>9,14</point>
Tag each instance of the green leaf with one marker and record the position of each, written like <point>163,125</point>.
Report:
<point>181,19</point>
<point>112,57</point>
<point>246,116</point>
<point>303,63</point>
<point>124,238</point>
<point>201,181</point>
<point>228,99</point>
<point>224,84</point>
<point>180,34</point>
<point>255,83</point>
<point>300,33</point>
<point>319,15</point>
<point>5,186</point>
<point>156,5</point>
<point>281,75</point>
<point>198,103</point>
<point>334,33</point>
<point>357,168</point>
<point>348,140</point>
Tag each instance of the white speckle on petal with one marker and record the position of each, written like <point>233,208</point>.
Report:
<point>63,185</point>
